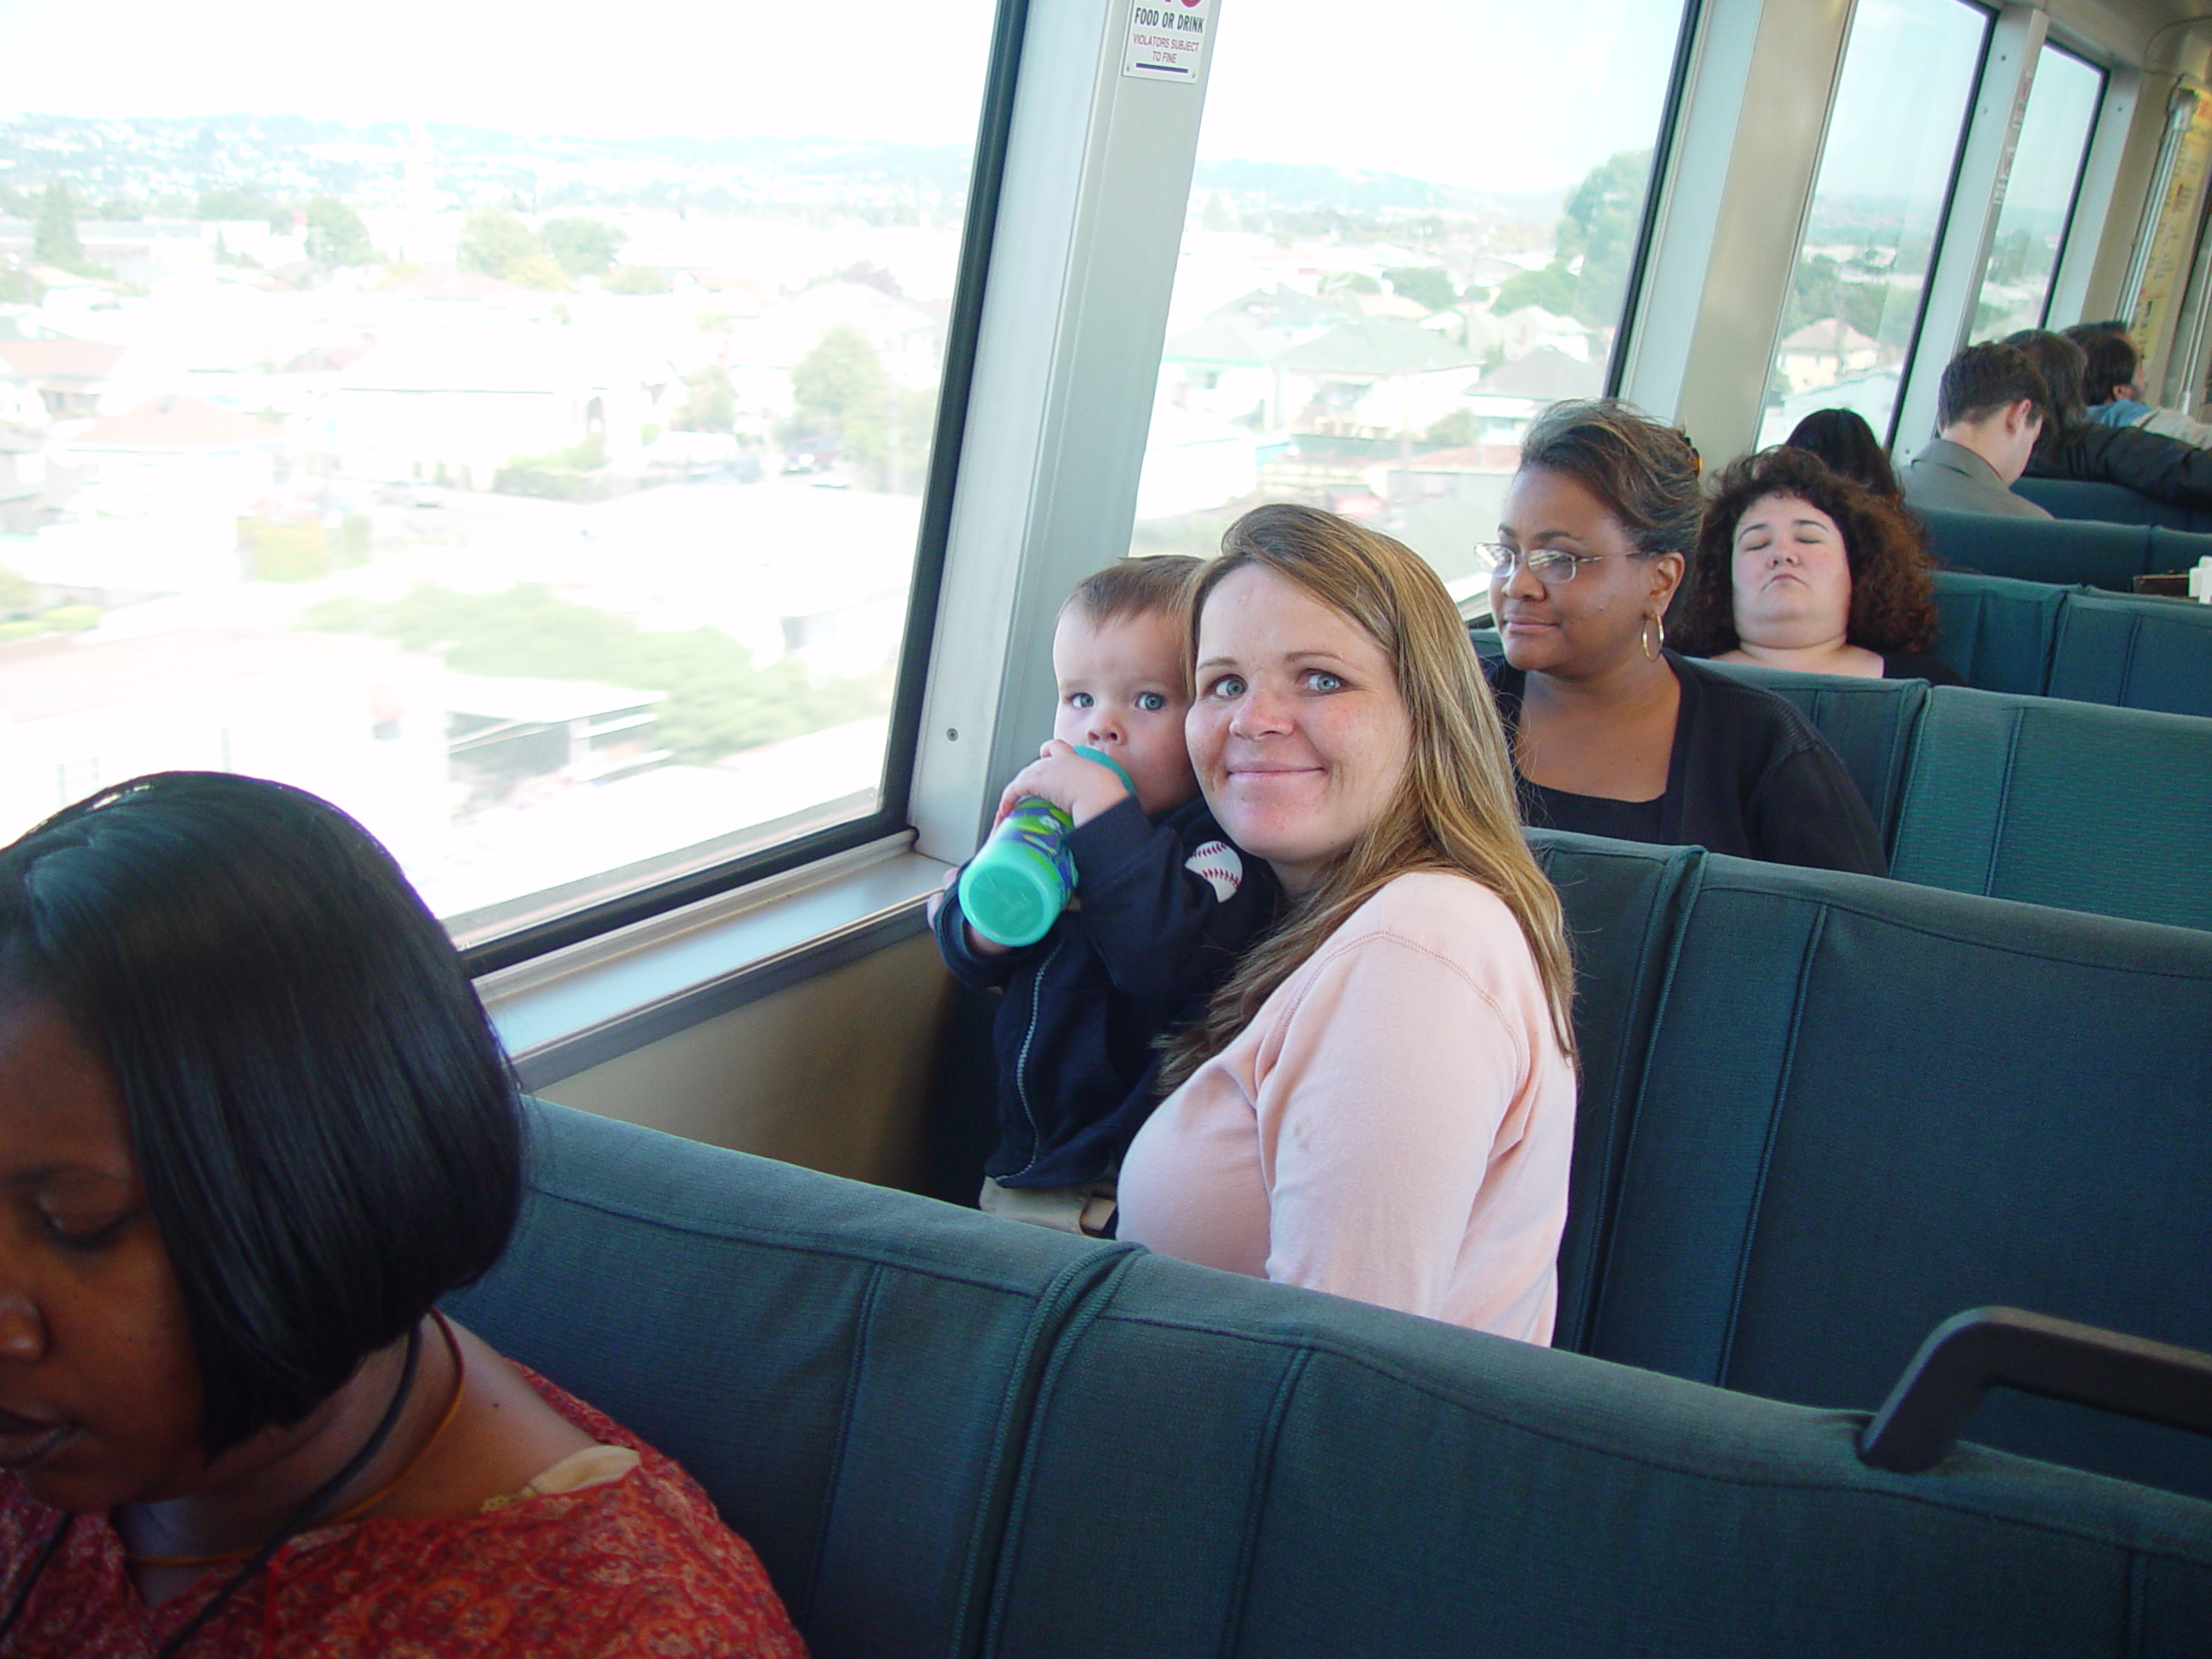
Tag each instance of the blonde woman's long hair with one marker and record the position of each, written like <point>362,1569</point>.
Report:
<point>1456,810</point>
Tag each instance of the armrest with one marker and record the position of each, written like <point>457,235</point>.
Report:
<point>1967,1355</point>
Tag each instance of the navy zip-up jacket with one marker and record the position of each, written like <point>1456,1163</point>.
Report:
<point>1144,945</point>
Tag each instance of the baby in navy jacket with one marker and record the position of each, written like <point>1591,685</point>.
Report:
<point>1164,904</point>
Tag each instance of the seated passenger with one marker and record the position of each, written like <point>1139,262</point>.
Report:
<point>2074,446</point>
<point>1165,905</point>
<point>1798,568</point>
<point>2108,385</point>
<point>1990,409</point>
<point>1841,438</point>
<point>255,1123</point>
<point>1611,733</point>
<point>1380,1102</point>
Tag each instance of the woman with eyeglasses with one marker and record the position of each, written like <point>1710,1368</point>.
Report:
<point>1613,733</point>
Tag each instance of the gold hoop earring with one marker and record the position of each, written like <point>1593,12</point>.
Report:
<point>1651,650</point>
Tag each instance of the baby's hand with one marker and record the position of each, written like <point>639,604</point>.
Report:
<point>1082,789</point>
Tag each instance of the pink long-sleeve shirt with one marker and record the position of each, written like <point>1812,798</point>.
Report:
<point>1394,1126</point>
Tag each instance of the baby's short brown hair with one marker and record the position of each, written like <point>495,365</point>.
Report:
<point>1137,586</point>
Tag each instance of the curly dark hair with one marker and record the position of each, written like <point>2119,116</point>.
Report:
<point>1892,599</point>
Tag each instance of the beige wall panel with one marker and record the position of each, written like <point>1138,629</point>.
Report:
<point>833,1074</point>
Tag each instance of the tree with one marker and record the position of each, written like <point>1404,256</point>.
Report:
<point>496,243</point>
<point>234,201</point>
<point>583,247</point>
<point>709,402</point>
<point>1603,219</point>
<point>54,239</point>
<point>1554,288</point>
<point>837,386</point>
<point>633,279</point>
<point>336,237</point>
<point>1428,285</point>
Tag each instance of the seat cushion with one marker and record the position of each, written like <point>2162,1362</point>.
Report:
<point>1221,1466</point>
<point>2059,803</point>
<point>1624,902</point>
<point>1869,1106</point>
<point>836,1363</point>
<point>2061,551</point>
<point>1997,632</point>
<point>1871,724</point>
<point>2135,653</point>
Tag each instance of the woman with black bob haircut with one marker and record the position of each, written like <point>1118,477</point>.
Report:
<point>1611,733</point>
<point>1842,439</point>
<point>254,1123</point>
<point>1798,566</point>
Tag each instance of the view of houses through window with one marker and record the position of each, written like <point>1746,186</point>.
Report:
<point>532,470</point>
<point>1371,308</point>
<point>1893,138</point>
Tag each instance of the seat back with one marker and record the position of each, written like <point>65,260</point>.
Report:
<point>2112,504</point>
<point>1998,632</point>
<point>2039,549</point>
<point>2136,653</point>
<point>1623,903</point>
<point>837,1365</point>
<point>1222,1466</point>
<point>2064,804</point>
<point>1866,1106</point>
<point>1871,724</point>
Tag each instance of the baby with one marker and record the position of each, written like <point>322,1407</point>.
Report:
<point>1164,904</point>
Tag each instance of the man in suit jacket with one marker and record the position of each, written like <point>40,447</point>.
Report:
<point>1989,411</point>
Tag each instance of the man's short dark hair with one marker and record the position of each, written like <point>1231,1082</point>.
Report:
<point>327,1132</point>
<point>1985,380</point>
<point>2113,362</point>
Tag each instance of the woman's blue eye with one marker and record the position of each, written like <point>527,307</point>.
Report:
<point>1325,681</point>
<point>1151,701</point>
<point>1229,685</point>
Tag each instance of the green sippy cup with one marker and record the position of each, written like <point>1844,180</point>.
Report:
<point>1014,889</point>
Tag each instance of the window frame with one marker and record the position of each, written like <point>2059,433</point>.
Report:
<point>1671,116</point>
<point>1941,240</point>
<point>2080,173</point>
<point>987,176</point>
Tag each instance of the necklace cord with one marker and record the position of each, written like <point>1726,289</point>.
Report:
<point>300,1517</point>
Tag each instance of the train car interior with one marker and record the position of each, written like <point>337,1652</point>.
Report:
<point>635,467</point>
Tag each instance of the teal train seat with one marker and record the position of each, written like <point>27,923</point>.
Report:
<point>2136,653</point>
<point>2059,803</point>
<point>1997,630</point>
<point>2112,504</point>
<point>2061,550</point>
<point>957,1438</point>
<point>1859,1106</point>
<point>1871,724</point>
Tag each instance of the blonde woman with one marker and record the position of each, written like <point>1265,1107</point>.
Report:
<point>1380,1102</point>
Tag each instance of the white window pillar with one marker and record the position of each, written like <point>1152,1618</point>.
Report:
<point>1762,83</point>
<point>1075,313</point>
<point>1977,197</point>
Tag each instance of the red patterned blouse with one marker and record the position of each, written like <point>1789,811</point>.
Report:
<point>638,1565</point>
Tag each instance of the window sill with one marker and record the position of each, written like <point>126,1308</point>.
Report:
<point>577,1008</point>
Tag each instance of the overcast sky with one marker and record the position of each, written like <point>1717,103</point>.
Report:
<point>1493,94</point>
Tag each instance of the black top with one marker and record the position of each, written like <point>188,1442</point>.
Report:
<point>1144,943</point>
<point>1747,775</point>
<point>2150,463</point>
<point>1920,666</point>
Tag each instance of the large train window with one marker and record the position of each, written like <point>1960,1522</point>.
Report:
<point>510,425</point>
<point>1384,276</point>
<point>2046,174</point>
<point>1893,138</point>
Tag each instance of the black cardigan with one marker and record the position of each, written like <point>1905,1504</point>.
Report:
<point>2148,463</point>
<point>1747,775</point>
